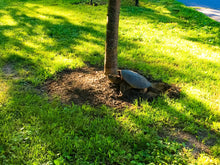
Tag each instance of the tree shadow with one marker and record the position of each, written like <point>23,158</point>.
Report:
<point>56,130</point>
<point>64,32</point>
<point>4,39</point>
<point>18,61</point>
<point>204,22</point>
<point>192,123</point>
<point>180,125</point>
<point>185,17</point>
<point>65,35</point>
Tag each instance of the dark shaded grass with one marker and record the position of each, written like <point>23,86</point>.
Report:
<point>36,130</point>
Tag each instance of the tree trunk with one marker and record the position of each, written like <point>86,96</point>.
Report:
<point>136,2</point>
<point>110,66</point>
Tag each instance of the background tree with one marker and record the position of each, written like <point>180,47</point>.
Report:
<point>110,65</point>
<point>136,2</point>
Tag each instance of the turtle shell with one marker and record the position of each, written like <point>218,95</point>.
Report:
<point>134,79</point>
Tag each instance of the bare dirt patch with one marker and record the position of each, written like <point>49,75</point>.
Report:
<point>191,141</point>
<point>9,71</point>
<point>90,86</point>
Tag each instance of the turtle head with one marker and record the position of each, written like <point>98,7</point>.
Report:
<point>115,78</point>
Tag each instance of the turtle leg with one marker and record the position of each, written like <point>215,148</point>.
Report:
<point>145,90</point>
<point>124,87</point>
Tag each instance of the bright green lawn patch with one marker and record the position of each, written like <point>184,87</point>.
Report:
<point>163,39</point>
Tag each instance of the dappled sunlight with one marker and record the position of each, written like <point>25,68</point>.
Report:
<point>156,39</point>
<point>197,113</point>
<point>128,124</point>
<point>211,99</point>
<point>61,62</point>
<point>44,33</point>
<point>216,125</point>
<point>8,33</point>
<point>59,14</point>
<point>3,92</point>
<point>206,160</point>
<point>210,56</point>
<point>154,43</point>
<point>142,124</point>
<point>7,20</point>
<point>165,52</point>
<point>51,14</point>
<point>196,92</point>
<point>31,44</point>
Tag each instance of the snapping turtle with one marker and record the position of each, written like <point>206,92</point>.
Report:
<point>129,79</point>
<point>134,85</point>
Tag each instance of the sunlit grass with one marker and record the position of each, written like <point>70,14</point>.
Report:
<point>206,160</point>
<point>163,39</point>
<point>8,20</point>
<point>3,93</point>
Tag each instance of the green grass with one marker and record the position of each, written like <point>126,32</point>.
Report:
<point>163,39</point>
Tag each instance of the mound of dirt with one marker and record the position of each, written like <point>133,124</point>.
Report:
<point>90,86</point>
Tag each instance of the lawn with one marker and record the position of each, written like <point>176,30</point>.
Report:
<point>161,39</point>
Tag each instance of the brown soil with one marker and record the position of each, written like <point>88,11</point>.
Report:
<point>90,86</point>
<point>10,72</point>
<point>190,140</point>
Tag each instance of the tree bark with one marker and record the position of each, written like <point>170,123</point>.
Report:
<point>111,64</point>
<point>136,2</point>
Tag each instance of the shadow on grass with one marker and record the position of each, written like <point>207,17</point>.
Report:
<point>35,127</point>
<point>197,20</point>
<point>185,17</point>
<point>64,34</point>
<point>85,134</point>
